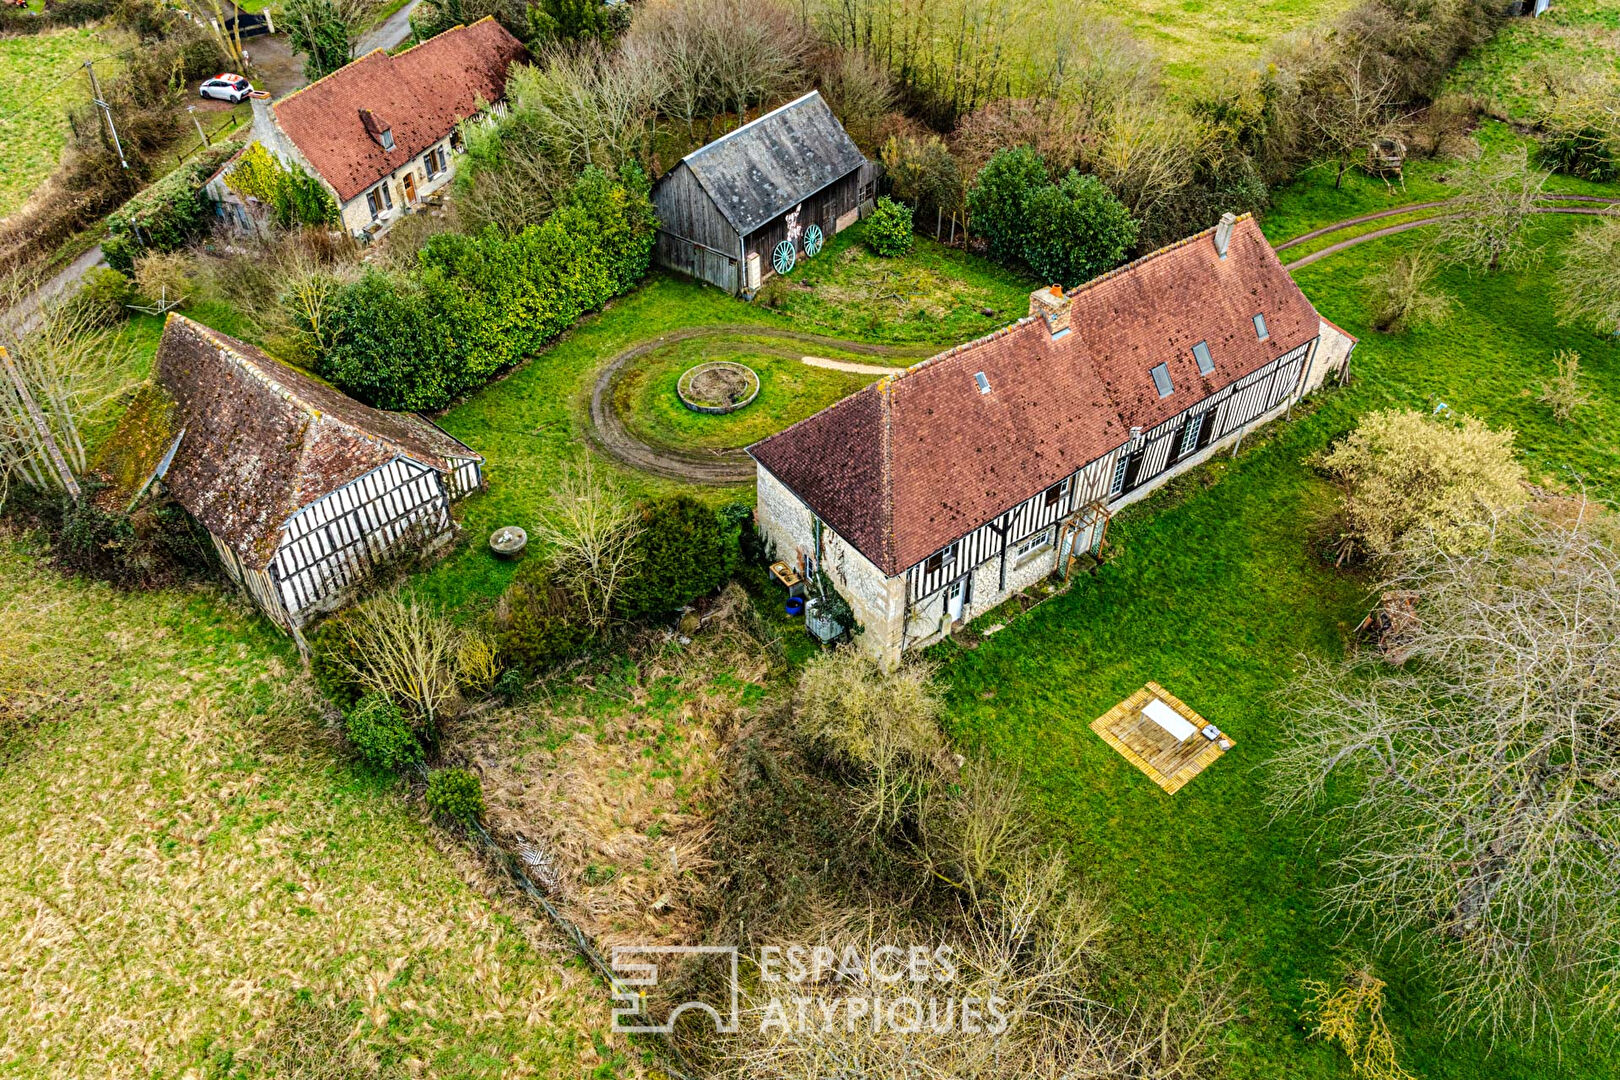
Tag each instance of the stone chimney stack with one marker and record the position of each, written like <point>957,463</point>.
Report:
<point>1052,305</point>
<point>1223,234</point>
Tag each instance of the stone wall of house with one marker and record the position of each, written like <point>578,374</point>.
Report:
<point>357,215</point>
<point>877,601</point>
<point>1331,354</point>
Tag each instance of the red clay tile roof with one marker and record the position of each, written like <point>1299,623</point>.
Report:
<point>421,94</point>
<point>263,440</point>
<point>905,466</point>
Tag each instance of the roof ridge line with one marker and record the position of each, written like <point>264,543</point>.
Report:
<point>310,86</point>
<point>888,380</point>
<point>761,118</point>
<point>1154,254</point>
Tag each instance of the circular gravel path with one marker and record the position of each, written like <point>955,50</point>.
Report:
<point>608,434</point>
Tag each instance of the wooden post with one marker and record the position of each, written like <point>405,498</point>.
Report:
<point>44,429</point>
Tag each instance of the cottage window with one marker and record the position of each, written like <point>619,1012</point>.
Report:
<point>1032,544</point>
<point>434,161</point>
<point>1161,380</point>
<point>940,559</point>
<point>1056,492</point>
<point>1189,434</point>
<point>1120,468</point>
<point>1206,362</point>
<point>378,199</point>
<point>1260,330</point>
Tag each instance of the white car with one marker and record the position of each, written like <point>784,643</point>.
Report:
<point>231,88</point>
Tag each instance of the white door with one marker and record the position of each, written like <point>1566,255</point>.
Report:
<point>954,594</point>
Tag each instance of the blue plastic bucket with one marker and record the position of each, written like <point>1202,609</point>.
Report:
<point>795,605</point>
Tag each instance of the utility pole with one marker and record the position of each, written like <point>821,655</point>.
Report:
<point>106,110</point>
<point>191,111</point>
<point>45,437</point>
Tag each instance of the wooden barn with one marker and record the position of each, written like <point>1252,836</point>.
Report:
<point>303,489</point>
<point>756,200</point>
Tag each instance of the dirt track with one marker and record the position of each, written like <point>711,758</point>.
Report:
<point>724,468</point>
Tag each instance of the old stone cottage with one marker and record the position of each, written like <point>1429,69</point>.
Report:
<point>381,133</point>
<point>932,495</point>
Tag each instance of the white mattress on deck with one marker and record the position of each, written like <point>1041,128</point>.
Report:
<point>1177,725</point>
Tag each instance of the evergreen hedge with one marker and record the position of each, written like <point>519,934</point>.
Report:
<point>167,216</point>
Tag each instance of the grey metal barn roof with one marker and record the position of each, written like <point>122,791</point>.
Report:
<point>775,162</point>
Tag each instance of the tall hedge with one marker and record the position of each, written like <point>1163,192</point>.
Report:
<point>684,551</point>
<point>477,304</point>
<point>167,216</point>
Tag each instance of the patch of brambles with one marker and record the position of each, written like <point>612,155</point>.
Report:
<point>718,387</point>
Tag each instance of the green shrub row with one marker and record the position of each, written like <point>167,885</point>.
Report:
<point>1067,231</point>
<point>167,216</point>
<point>477,304</point>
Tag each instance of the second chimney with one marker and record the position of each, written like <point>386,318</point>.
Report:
<point>1223,234</point>
<point>1052,305</point>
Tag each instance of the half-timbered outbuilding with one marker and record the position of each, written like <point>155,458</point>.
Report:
<point>758,199</point>
<point>932,495</point>
<point>304,490</point>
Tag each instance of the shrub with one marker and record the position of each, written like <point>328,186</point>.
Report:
<point>481,303</point>
<point>1403,471</point>
<point>1589,284</point>
<point>883,727</point>
<point>1583,142</point>
<point>684,551</point>
<point>1075,230</point>
<point>1401,297</point>
<point>539,623</point>
<point>334,674</point>
<point>164,277</point>
<point>998,197</point>
<point>166,216</point>
<point>292,196</point>
<point>457,794</point>
<point>379,731</point>
<point>402,650</point>
<point>888,230</point>
<point>1563,393</point>
<point>102,297</point>
<point>477,662</point>
<point>317,29</point>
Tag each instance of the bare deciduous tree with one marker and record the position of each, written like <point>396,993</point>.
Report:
<point>1344,102</point>
<point>591,529</point>
<point>1401,296</point>
<point>859,91</point>
<point>1495,198</point>
<point>1562,393</point>
<point>70,372</point>
<point>1477,789</point>
<point>1589,283</point>
<point>404,650</point>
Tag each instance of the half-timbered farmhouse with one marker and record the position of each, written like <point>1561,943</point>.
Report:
<point>759,198</point>
<point>932,495</point>
<point>380,133</point>
<point>303,489</point>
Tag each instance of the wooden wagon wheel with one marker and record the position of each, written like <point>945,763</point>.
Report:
<point>784,257</point>
<point>812,241</point>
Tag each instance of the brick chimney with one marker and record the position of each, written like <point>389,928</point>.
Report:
<point>1223,234</point>
<point>1052,305</point>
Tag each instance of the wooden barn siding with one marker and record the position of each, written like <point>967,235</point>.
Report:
<point>256,582</point>
<point>1252,396</point>
<point>694,237</point>
<point>822,208</point>
<point>466,477</point>
<point>336,539</point>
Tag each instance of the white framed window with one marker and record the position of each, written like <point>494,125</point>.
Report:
<point>378,200</point>
<point>1260,330</point>
<point>942,559</point>
<point>1029,545</point>
<point>1056,493</point>
<point>1189,434</point>
<point>387,138</point>
<point>1161,380</point>
<point>1120,467</point>
<point>1206,362</point>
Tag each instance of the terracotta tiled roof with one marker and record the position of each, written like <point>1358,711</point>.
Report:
<point>420,94</point>
<point>263,440</point>
<point>917,460</point>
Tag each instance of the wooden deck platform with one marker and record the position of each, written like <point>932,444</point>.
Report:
<point>1166,761</point>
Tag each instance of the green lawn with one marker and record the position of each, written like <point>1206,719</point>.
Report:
<point>1194,35</point>
<point>789,390</point>
<point>1215,593</point>
<point>41,77</point>
<point>1580,35</point>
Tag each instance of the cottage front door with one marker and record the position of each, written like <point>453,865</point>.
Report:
<point>410,188</point>
<point>955,597</point>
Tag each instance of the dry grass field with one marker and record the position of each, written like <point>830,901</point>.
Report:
<point>194,881</point>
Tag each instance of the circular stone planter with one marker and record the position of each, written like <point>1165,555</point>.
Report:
<point>717,387</point>
<point>508,541</point>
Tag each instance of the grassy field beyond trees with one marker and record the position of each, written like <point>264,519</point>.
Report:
<point>34,99</point>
